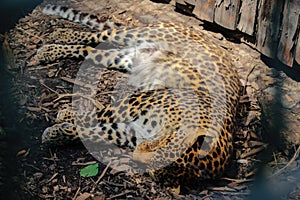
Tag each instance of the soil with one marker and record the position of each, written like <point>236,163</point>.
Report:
<point>265,162</point>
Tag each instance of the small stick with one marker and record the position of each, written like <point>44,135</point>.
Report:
<point>253,151</point>
<point>64,178</point>
<point>97,104</point>
<point>77,82</point>
<point>74,198</point>
<point>237,180</point>
<point>247,77</point>
<point>275,159</point>
<point>84,164</point>
<point>32,35</point>
<point>119,195</point>
<point>40,68</point>
<point>54,175</point>
<point>41,82</point>
<point>288,164</point>
<point>100,177</point>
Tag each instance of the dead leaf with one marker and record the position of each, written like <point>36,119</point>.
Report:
<point>34,109</point>
<point>83,196</point>
<point>253,151</point>
<point>22,152</point>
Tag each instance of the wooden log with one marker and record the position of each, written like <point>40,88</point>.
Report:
<point>288,39</point>
<point>297,54</point>
<point>226,13</point>
<point>192,2</point>
<point>205,10</point>
<point>248,10</point>
<point>186,6</point>
<point>268,26</point>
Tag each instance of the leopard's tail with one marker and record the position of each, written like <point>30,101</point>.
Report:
<point>70,14</point>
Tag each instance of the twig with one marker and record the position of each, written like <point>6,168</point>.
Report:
<point>253,151</point>
<point>206,197</point>
<point>109,92</point>
<point>247,77</point>
<point>33,167</point>
<point>223,189</point>
<point>52,159</point>
<point>275,159</point>
<point>61,96</point>
<point>83,164</point>
<point>41,82</point>
<point>54,175</point>
<point>288,164</point>
<point>40,68</point>
<point>237,180</point>
<point>32,35</point>
<point>119,195</point>
<point>77,82</point>
<point>74,198</point>
<point>96,103</point>
<point>100,177</point>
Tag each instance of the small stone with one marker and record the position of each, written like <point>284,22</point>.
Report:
<point>51,73</point>
<point>38,175</point>
<point>45,189</point>
<point>54,180</point>
<point>56,188</point>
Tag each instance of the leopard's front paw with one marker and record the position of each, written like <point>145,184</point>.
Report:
<point>47,53</point>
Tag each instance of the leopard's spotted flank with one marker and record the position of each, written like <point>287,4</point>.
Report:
<point>181,123</point>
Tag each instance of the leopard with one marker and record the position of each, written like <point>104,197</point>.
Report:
<point>181,121</point>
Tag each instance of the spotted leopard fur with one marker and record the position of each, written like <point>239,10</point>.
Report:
<point>89,20</point>
<point>185,111</point>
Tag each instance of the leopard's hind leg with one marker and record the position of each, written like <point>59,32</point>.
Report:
<point>114,133</point>
<point>113,58</point>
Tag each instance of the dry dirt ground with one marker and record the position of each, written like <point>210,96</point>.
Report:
<point>265,162</point>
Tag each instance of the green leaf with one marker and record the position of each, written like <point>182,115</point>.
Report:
<point>90,170</point>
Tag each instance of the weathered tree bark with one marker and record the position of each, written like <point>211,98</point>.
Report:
<point>247,14</point>
<point>268,27</point>
<point>297,56</point>
<point>290,32</point>
<point>275,24</point>
<point>205,10</point>
<point>226,13</point>
<point>186,6</point>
